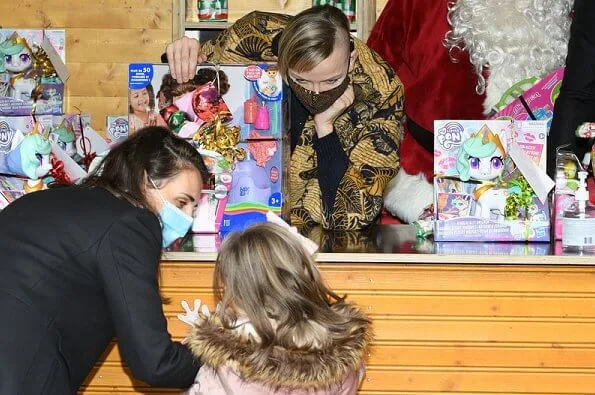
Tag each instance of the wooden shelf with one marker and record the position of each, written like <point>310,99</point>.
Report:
<point>365,19</point>
<point>206,25</point>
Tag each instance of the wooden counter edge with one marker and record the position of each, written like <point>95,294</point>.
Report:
<point>566,260</point>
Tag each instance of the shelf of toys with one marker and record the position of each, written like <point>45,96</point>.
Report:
<point>40,146</point>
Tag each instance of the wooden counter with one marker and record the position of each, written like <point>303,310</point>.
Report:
<point>463,323</point>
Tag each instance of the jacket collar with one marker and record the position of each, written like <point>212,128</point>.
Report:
<point>217,346</point>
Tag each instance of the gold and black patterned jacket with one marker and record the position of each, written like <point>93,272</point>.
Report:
<point>370,132</point>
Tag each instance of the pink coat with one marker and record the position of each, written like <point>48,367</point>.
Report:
<point>229,357</point>
<point>226,381</point>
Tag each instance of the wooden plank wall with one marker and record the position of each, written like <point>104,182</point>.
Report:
<point>103,36</point>
<point>457,329</point>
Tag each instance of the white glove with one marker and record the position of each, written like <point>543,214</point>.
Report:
<point>192,316</point>
<point>310,246</point>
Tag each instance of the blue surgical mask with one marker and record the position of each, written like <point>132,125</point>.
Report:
<point>174,222</point>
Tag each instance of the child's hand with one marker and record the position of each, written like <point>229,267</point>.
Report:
<point>192,316</point>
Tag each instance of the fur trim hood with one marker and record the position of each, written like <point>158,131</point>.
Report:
<point>217,346</point>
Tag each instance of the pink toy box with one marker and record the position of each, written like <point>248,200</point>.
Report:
<point>248,100</point>
<point>479,193</point>
<point>209,213</point>
<point>23,68</point>
<point>540,99</point>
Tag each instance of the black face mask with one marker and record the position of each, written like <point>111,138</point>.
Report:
<point>314,102</point>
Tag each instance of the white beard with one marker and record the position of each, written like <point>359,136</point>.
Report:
<point>513,39</point>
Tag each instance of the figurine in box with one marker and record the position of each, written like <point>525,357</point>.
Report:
<point>480,193</point>
<point>16,58</point>
<point>27,72</point>
<point>28,156</point>
<point>185,107</point>
<point>481,158</point>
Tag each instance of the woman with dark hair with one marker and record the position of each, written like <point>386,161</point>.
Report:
<point>79,266</point>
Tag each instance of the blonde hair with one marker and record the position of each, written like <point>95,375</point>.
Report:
<point>266,273</point>
<point>306,40</point>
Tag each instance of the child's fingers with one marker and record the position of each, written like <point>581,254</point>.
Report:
<point>205,310</point>
<point>197,303</point>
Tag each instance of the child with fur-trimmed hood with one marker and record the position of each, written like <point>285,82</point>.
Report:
<point>278,329</point>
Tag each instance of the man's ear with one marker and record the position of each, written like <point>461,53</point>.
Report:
<point>352,59</point>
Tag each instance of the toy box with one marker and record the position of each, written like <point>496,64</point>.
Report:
<point>540,99</point>
<point>215,193</point>
<point>479,193</point>
<point>512,249</point>
<point>84,145</point>
<point>46,162</point>
<point>233,110</point>
<point>116,129</point>
<point>26,65</point>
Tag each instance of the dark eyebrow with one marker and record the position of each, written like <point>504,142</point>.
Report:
<point>189,197</point>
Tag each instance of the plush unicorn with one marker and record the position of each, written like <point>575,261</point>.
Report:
<point>29,157</point>
<point>481,158</point>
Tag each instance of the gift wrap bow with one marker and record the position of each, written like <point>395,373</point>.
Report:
<point>222,138</point>
<point>58,172</point>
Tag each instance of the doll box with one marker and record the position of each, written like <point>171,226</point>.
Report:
<point>479,193</point>
<point>246,98</point>
<point>257,185</point>
<point>20,69</point>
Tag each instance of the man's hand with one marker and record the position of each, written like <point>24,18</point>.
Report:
<point>183,55</point>
<point>324,121</point>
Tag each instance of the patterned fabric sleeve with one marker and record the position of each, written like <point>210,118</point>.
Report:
<point>371,133</point>
<point>247,40</point>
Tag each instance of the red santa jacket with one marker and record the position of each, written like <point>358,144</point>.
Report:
<point>409,35</point>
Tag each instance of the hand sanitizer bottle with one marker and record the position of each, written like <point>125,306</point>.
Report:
<point>578,222</point>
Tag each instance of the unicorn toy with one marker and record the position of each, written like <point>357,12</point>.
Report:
<point>481,158</point>
<point>66,138</point>
<point>16,58</point>
<point>29,157</point>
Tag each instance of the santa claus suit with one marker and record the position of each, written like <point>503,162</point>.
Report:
<point>409,34</point>
<point>511,40</point>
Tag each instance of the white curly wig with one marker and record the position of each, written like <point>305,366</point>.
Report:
<point>512,39</point>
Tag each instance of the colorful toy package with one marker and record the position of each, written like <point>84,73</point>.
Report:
<point>479,193</point>
<point>32,156</point>
<point>235,111</point>
<point>116,129</point>
<point>215,193</point>
<point>540,99</point>
<point>26,69</point>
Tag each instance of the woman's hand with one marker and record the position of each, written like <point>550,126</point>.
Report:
<point>324,121</point>
<point>183,55</point>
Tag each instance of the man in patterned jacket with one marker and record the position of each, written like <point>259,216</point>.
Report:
<point>345,108</point>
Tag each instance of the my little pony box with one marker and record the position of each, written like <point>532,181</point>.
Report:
<point>26,71</point>
<point>479,193</point>
<point>237,111</point>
